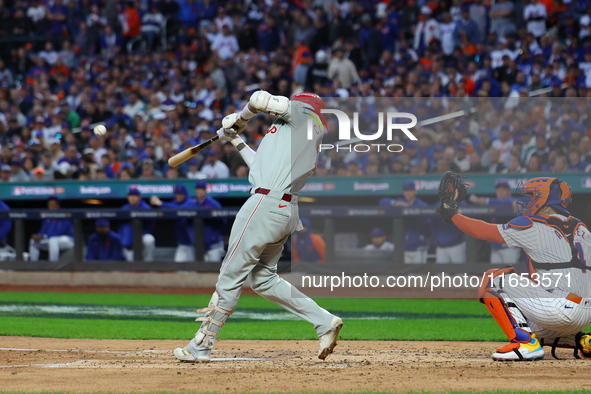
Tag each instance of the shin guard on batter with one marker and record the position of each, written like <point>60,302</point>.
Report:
<point>213,321</point>
<point>199,348</point>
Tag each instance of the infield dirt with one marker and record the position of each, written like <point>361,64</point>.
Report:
<point>85,366</point>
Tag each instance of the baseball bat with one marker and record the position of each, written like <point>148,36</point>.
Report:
<point>185,155</point>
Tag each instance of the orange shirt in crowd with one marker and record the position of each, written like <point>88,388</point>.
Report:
<point>132,17</point>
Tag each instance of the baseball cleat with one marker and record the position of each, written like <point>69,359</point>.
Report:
<point>520,351</point>
<point>329,340</point>
<point>184,355</point>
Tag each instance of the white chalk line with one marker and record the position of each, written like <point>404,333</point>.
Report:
<point>86,351</point>
<point>95,365</point>
<point>45,365</point>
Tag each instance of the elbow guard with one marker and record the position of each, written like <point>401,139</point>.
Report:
<point>265,102</point>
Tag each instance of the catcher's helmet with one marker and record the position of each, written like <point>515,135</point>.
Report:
<point>310,98</point>
<point>541,192</point>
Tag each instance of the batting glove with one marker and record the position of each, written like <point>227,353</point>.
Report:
<point>226,135</point>
<point>234,122</point>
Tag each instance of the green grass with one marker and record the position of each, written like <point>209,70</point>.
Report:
<point>449,320</point>
<point>482,329</point>
<point>247,301</point>
<point>401,319</point>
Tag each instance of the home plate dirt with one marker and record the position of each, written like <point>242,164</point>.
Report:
<point>89,366</point>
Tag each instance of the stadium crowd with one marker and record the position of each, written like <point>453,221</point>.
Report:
<point>162,74</point>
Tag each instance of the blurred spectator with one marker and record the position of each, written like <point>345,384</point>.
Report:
<point>535,15</point>
<point>378,241</point>
<point>501,15</point>
<point>104,244</point>
<point>225,45</point>
<point>210,59</point>
<point>152,24</point>
<point>466,27</point>
<point>39,174</point>
<point>6,251</point>
<point>214,168</point>
<point>450,242</point>
<point>500,253</point>
<point>130,24</point>
<point>5,173</point>
<point>214,228</point>
<point>343,69</point>
<point>18,174</point>
<point>54,236</point>
<point>135,202</point>
<point>185,250</point>
<point>308,246</point>
<point>427,30</point>
<point>416,230</point>
<point>110,43</point>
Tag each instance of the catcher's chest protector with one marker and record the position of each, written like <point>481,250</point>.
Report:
<point>567,228</point>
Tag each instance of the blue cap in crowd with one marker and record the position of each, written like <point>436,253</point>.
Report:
<point>180,189</point>
<point>201,185</point>
<point>503,184</point>
<point>306,223</point>
<point>378,232</point>
<point>102,222</point>
<point>416,163</point>
<point>134,191</point>
<point>410,185</point>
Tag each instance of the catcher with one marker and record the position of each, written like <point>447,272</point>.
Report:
<point>550,304</point>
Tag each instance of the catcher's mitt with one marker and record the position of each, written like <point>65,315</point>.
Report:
<point>452,190</point>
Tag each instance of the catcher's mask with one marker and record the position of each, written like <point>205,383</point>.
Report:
<point>542,192</point>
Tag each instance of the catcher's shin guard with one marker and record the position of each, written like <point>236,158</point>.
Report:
<point>503,310</point>
<point>507,316</point>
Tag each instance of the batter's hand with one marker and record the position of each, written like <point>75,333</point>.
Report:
<point>226,134</point>
<point>234,123</point>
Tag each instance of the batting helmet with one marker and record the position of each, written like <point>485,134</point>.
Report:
<point>310,98</point>
<point>542,192</point>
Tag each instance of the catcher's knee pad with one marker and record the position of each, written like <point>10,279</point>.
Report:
<point>489,280</point>
<point>213,321</point>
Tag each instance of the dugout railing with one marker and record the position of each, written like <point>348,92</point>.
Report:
<point>331,216</point>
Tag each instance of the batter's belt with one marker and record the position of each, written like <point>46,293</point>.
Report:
<point>260,190</point>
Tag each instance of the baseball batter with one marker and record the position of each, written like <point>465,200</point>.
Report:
<point>551,304</point>
<point>278,170</point>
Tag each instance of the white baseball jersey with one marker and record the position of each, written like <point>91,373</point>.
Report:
<point>545,244</point>
<point>287,154</point>
<point>548,305</point>
<point>536,27</point>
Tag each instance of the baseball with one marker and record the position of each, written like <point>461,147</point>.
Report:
<point>100,130</point>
